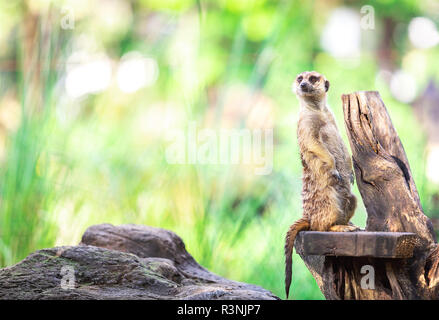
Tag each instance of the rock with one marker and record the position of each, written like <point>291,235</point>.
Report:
<point>120,262</point>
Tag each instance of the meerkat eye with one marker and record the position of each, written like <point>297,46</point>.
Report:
<point>313,79</point>
<point>299,79</point>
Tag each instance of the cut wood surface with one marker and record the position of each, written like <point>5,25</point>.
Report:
<point>357,244</point>
<point>392,202</point>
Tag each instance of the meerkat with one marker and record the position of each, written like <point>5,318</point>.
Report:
<point>328,203</point>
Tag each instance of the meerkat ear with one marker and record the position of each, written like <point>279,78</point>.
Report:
<point>326,85</point>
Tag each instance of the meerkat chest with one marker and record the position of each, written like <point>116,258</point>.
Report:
<point>319,128</point>
<point>330,136</point>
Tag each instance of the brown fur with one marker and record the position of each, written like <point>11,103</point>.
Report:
<point>328,203</point>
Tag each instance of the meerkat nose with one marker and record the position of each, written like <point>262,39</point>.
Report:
<point>303,85</point>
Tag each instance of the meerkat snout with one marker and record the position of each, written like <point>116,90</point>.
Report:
<point>304,86</point>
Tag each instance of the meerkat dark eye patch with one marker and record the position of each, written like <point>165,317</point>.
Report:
<point>299,79</point>
<point>313,79</point>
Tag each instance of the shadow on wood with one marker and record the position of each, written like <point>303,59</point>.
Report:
<point>392,202</point>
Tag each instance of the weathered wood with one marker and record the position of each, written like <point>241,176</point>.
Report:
<point>357,244</point>
<point>382,170</point>
<point>392,202</point>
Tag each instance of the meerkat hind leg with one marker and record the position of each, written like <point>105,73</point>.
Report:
<point>343,228</point>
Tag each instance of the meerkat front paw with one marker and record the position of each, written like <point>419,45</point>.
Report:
<point>356,227</point>
<point>344,228</point>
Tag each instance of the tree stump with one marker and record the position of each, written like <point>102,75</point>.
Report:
<point>394,211</point>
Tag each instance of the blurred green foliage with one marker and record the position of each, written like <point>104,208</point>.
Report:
<point>70,162</point>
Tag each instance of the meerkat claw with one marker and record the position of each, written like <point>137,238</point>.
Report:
<point>337,175</point>
<point>354,226</point>
<point>344,228</point>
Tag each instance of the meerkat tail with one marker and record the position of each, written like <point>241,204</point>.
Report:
<point>295,228</point>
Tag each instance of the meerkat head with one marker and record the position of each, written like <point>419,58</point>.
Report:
<point>311,86</point>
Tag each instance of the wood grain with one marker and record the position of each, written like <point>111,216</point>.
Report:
<point>357,244</point>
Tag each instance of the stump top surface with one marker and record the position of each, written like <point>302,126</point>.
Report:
<point>357,244</point>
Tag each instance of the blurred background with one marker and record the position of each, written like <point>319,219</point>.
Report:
<point>90,90</point>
